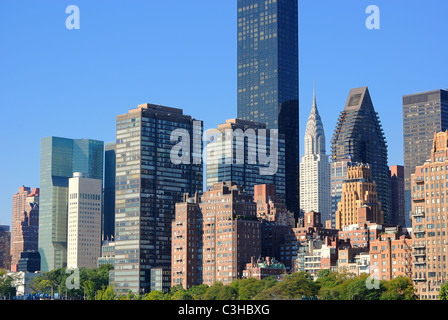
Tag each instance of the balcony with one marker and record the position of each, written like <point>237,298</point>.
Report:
<point>419,278</point>
<point>418,198</point>
<point>419,246</point>
<point>419,254</point>
<point>419,180</point>
<point>419,262</point>
<point>418,214</point>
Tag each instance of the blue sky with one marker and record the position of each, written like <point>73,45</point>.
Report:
<point>73,83</point>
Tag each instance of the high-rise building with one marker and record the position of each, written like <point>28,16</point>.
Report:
<point>268,76</point>
<point>358,190</point>
<point>360,137</point>
<point>158,159</point>
<point>5,248</point>
<point>424,114</point>
<point>429,187</point>
<point>60,158</point>
<point>338,170</point>
<point>25,223</point>
<point>84,221</point>
<point>315,192</point>
<point>397,207</point>
<point>109,192</point>
<point>214,236</point>
<point>247,153</point>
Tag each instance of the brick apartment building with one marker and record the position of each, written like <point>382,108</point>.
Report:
<point>214,236</point>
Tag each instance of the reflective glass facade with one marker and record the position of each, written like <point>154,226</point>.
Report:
<point>268,85</point>
<point>359,137</point>
<point>60,158</point>
<point>109,192</point>
<point>148,185</point>
<point>245,173</point>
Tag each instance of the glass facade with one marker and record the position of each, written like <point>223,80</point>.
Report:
<point>268,85</point>
<point>148,185</point>
<point>60,158</point>
<point>243,140</point>
<point>109,192</point>
<point>360,138</point>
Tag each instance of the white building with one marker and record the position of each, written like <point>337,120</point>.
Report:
<point>315,193</point>
<point>84,222</point>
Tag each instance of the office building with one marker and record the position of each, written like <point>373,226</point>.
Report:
<point>60,158</point>
<point>214,236</point>
<point>158,159</point>
<point>397,205</point>
<point>247,153</point>
<point>358,191</point>
<point>424,114</point>
<point>360,137</point>
<point>429,186</point>
<point>268,76</point>
<point>29,261</point>
<point>315,193</point>
<point>25,223</point>
<point>84,221</point>
<point>109,192</point>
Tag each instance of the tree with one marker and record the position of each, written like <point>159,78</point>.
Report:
<point>443,293</point>
<point>249,288</point>
<point>356,289</point>
<point>7,287</point>
<point>293,286</point>
<point>197,292</point>
<point>400,288</point>
<point>220,292</point>
<point>154,295</point>
<point>106,293</point>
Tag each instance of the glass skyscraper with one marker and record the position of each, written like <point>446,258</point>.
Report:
<point>268,76</point>
<point>109,192</point>
<point>149,182</point>
<point>233,156</point>
<point>360,138</point>
<point>60,158</point>
<point>424,114</point>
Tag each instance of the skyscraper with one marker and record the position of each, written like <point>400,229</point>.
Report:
<point>60,158</point>
<point>359,136</point>
<point>268,76</point>
<point>25,223</point>
<point>152,175</point>
<point>397,196</point>
<point>109,192</point>
<point>430,220</point>
<point>424,114</point>
<point>235,153</point>
<point>84,221</point>
<point>5,248</point>
<point>338,176</point>
<point>315,168</point>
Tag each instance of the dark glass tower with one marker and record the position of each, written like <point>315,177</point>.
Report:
<point>359,137</point>
<point>109,192</point>
<point>424,114</point>
<point>148,186</point>
<point>268,76</point>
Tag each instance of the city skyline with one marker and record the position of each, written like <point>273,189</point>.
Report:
<point>77,55</point>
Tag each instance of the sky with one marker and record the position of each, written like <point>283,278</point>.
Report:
<point>73,83</point>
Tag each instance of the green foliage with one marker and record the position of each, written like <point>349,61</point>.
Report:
<point>218,291</point>
<point>294,286</point>
<point>7,288</point>
<point>443,293</point>
<point>400,288</point>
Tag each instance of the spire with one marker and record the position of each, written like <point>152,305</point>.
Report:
<point>314,135</point>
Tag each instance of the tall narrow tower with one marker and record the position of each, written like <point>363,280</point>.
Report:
<point>359,136</point>
<point>268,76</point>
<point>315,168</point>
